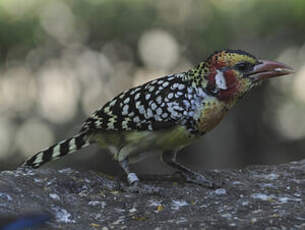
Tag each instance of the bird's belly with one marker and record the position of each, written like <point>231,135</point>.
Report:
<point>133,144</point>
<point>174,139</point>
<point>139,143</point>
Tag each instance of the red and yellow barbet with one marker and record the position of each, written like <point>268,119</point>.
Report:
<point>168,113</point>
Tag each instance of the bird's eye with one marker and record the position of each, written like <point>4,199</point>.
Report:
<point>244,66</point>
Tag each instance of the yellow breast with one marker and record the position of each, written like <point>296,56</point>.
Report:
<point>210,116</point>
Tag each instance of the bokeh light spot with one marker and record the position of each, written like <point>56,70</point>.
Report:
<point>18,90</point>
<point>298,85</point>
<point>290,121</point>
<point>32,136</point>
<point>158,49</point>
<point>58,93</point>
<point>58,20</point>
<point>6,137</point>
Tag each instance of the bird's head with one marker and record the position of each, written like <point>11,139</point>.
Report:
<point>230,74</point>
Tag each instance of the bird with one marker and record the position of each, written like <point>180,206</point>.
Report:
<point>168,113</point>
<point>30,220</point>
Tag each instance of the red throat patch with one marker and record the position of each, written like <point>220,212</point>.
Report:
<point>232,86</point>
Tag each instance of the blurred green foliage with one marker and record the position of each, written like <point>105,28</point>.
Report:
<point>207,25</point>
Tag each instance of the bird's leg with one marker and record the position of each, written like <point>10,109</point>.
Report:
<point>131,177</point>
<point>134,182</point>
<point>169,157</point>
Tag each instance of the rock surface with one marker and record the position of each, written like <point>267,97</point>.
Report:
<point>257,197</point>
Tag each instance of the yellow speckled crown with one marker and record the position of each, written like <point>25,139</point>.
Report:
<point>230,57</point>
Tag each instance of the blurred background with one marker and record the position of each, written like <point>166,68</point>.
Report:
<point>61,60</point>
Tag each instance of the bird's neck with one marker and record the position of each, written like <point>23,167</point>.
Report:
<point>199,75</point>
<point>202,77</point>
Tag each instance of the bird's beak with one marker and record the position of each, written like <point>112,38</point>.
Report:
<point>268,69</point>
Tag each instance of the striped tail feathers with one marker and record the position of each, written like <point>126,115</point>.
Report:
<point>58,150</point>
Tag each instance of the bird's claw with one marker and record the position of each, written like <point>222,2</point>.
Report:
<point>196,178</point>
<point>141,188</point>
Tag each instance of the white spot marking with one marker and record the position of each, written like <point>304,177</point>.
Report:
<point>72,145</point>
<point>190,90</point>
<point>136,119</point>
<point>174,114</point>
<point>125,110</point>
<point>137,96</point>
<point>147,96</point>
<point>126,101</point>
<point>175,85</point>
<point>125,124</point>
<point>38,159</point>
<point>170,95</point>
<point>186,103</point>
<point>153,106</point>
<point>159,111</point>
<point>149,113</point>
<point>159,100</point>
<point>56,151</point>
<point>165,84</point>
<point>220,80</point>
<point>191,113</point>
<point>180,75</point>
<point>201,93</point>
<point>141,109</point>
<point>110,126</point>
<point>181,86</point>
<point>112,102</point>
<point>178,108</point>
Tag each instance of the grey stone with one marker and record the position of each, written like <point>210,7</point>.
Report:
<point>257,197</point>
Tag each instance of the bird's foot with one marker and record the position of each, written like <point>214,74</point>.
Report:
<point>196,178</point>
<point>138,187</point>
<point>144,189</point>
<point>135,186</point>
